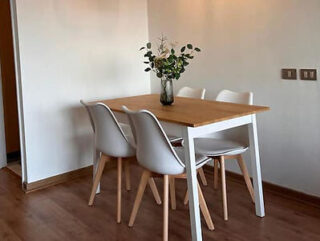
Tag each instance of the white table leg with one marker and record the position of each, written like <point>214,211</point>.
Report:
<point>192,185</point>
<point>256,169</point>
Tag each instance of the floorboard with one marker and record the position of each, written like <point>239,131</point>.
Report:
<point>61,213</point>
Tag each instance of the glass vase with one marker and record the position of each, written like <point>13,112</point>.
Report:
<point>166,96</point>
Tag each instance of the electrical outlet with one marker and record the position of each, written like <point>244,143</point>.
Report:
<point>289,73</point>
<point>308,74</point>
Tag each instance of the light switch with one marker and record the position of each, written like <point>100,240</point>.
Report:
<point>289,73</point>
<point>308,74</point>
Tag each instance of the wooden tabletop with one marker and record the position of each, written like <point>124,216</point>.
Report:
<point>185,111</point>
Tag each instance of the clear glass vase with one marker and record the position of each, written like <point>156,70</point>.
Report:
<point>166,96</point>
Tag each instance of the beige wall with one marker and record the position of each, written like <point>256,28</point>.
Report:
<point>245,44</point>
<point>71,50</point>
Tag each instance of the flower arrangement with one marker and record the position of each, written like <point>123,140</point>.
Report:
<point>168,64</point>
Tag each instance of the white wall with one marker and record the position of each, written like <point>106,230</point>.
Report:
<point>88,49</point>
<point>71,50</point>
<point>245,44</point>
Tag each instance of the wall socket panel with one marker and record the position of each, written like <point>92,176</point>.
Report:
<point>289,74</point>
<point>308,74</point>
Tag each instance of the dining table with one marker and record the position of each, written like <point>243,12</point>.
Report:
<point>190,118</point>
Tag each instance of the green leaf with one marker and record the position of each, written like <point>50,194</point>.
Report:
<point>185,63</point>
<point>189,46</point>
<point>146,62</point>
<point>149,45</point>
<point>148,54</point>
<point>172,51</point>
<point>183,49</point>
<point>159,75</point>
<point>141,48</point>
<point>147,69</point>
<point>151,58</point>
<point>197,49</point>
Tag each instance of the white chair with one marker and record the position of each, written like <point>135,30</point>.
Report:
<point>111,142</point>
<point>188,93</point>
<point>96,153</point>
<point>191,93</point>
<point>220,149</point>
<point>157,156</point>
<point>127,131</point>
<point>197,94</point>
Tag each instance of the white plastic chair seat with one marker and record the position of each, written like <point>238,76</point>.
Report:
<point>218,147</point>
<point>200,159</point>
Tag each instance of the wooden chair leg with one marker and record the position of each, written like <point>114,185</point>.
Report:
<point>119,190</point>
<point>173,193</point>
<point>202,176</point>
<point>246,176</point>
<point>203,207</point>
<point>154,190</point>
<point>142,186</point>
<point>97,178</point>
<point>165,207</point>
<point>224,188</point>
<point>204,210</point>
<point>127,173</point>
<point>186,198</point>
<point>96,159</point>
<point>215,173</point>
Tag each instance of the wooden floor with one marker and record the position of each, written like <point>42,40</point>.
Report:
<point>15,167</point>
<point>61,213</point>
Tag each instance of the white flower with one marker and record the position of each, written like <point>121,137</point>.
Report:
<point>164,54</point>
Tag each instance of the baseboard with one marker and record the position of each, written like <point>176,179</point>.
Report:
<point>276,189</point>
<point>65,177</point>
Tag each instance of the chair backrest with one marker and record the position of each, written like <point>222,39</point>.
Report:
<point>239,134</point>
<point>109,137</point>
<point>89,114</point>
<point>153,149</point>
<point>235,97</point>
<point>191,93</point>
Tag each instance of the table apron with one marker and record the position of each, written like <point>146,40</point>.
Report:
<point>177,130</point>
